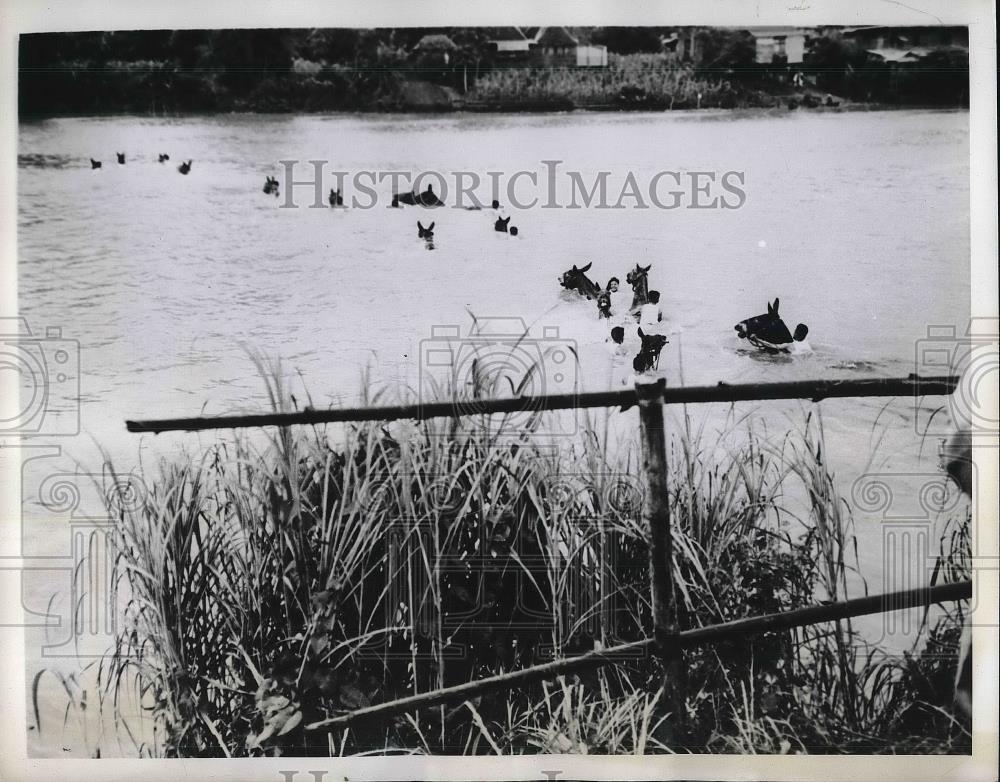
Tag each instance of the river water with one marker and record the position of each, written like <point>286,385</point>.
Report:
<point>858,221</point>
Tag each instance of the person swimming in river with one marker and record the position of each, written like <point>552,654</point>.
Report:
<point>769,333</point>
<point>619,301</point>
<point>650,314</point>
<point>618,353</point>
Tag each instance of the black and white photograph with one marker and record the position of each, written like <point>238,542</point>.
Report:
<point>385,389</point>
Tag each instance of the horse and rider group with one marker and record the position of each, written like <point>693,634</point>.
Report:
<point>767,332</point>
<point>644,312</point>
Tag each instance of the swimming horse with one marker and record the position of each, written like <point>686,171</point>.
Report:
<point>577,280</point>
<point>639,280</point>
<point>427,234</point>
<point>648,356</point>
<point>94,164</point>
<point>185,168</point>
<point>604,304</point>
<point>426,198</point>
<point>769,332</point>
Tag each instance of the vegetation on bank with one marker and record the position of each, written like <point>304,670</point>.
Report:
<point>635,81</point>
<point>171,72</point>
<point>271,587</point>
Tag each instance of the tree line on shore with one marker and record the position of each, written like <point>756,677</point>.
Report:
<point>176,71</point>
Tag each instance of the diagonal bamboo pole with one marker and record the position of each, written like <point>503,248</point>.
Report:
<point>769,623</point>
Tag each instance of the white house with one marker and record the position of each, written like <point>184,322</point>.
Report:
<point>591,55</point>
<point>788,44</point>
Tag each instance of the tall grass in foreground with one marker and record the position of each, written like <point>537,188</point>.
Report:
<point>270,587</point>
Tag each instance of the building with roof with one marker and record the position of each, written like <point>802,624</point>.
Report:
<point>780,45</point>
<point>908,38</point>
<point>553,46</point>
<point>902,47</point>
<point>545,47</point>
<point>509,42</point>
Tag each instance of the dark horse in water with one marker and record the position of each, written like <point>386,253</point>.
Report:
<point>639,281</point>
<point>577,280</point>
<point>427,234</point>
<point>649,353</point>
<point>604,304</point>
<point>426,198</point>
<point>769,332</point>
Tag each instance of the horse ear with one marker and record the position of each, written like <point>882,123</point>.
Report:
<point>647,268</point>
<point>574,269</point>
<point>641,335</point>
<point>776,306</point>
<point>420,226</point>
<point>430,227</point>
<point>770,308</point>
<point>585,268</point>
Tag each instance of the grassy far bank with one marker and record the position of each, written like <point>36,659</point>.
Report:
<point>646,81</point>
<point>271,588</point>
<point>640,81</point>
<point>634,81</point>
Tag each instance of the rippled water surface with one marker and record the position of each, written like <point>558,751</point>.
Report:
<point>858,222</point>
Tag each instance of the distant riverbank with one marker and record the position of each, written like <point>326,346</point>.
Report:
<point>634,82</point>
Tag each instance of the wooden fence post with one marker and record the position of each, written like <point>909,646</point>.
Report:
<point>656,517</point>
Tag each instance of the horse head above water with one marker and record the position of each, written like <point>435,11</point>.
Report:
<point>648,356</point>
<point>577,280</point>
<point>604,304</point>
<point>427,234</point>
<point>770,328</point>
<point>638,278</point>
<point>426,198</point>
<point>429,197</point>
